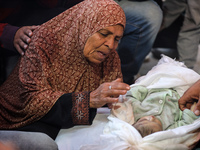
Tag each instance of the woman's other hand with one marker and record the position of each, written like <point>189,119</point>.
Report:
<point>191,96</point>
<point>23,38</point>
<point>108,93</point>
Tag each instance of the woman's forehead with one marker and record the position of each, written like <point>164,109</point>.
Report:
<point>115,29</point>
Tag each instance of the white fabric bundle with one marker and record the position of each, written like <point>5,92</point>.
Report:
<point>169,73</point>
<point>118,134</point>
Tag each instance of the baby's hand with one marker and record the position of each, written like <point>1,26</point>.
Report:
<point>122,98</point>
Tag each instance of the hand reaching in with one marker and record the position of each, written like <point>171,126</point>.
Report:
<point>23,38</point>
<point>191,96</point>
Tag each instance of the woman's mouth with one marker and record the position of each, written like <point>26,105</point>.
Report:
<point>101,54</point>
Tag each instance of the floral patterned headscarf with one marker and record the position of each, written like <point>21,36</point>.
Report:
<point>54,63</point>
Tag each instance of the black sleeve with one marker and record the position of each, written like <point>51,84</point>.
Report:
<point>70,109</point>
<point>64,114</point>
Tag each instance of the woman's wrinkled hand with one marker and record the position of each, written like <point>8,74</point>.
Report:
<point>191,96</point>
<point>23,38</point>
<point>108,93</point>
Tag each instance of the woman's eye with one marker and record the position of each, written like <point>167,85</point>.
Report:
<point>117,39</point>
<point>104,34</point>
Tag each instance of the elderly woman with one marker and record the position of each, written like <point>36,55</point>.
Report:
<point>70,68</point>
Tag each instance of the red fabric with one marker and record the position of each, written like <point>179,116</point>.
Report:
<point>2,25</point>
<point>80,115</point>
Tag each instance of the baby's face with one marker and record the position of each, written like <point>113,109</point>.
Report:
<point>152,122</point>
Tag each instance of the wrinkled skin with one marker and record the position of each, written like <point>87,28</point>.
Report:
<point>103,95</point>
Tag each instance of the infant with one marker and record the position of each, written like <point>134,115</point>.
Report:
<point>153,110</point>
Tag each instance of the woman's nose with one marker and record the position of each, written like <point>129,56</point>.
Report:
<point>110,43</point>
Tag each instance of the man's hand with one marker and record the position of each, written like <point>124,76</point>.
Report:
<point>23,38</point>
<point>191,96</point>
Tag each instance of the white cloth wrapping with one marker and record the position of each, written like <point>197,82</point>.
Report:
<point>169,73</point>
<point>74,138</point>
<point>119,135</point>
<point>116,134</point>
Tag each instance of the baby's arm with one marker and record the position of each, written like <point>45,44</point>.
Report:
<point>188,117</point>
<point>137,93</point>
<point>124,109</point>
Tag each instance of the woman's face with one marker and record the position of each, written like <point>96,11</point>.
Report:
<point>100,44</point>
